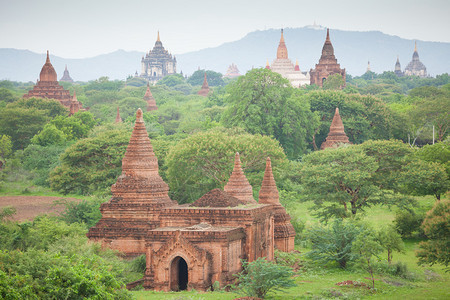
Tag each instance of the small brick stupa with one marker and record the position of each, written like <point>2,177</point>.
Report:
<point>327,64</point>
<point>118,118</point>
<point>268,194</point>
<point>189,246</point>
<point>204,91</point>
<point>75,106</point>
<point>337,135</point>
<point>48,87</point>
<point>148,97</point>
<point>238,185</point>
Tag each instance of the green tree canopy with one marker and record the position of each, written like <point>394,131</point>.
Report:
<point>51,107</point>
<point>263,102</point>
<point>214,78</point>
<point>334,82</point>
<point>204,161</point>
<point>172,80</point>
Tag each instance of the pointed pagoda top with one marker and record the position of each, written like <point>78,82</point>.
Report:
<point>158,39</point>
<point>267,65</point>
<point>415,46</point>
<point>204,91</point>
<point>297,67</point>
<point>205,83</point>
<point>368,66</point>
<point>118,118</point>
<point>74,98</point>
<point>328,51</point>
<point>328,36</point>
<point>148,97</point>
<point>337,134</point>
<point>140,180</point>
<point>282,50</point>
<point>238,185</point>
<point>268,194</point>
<point>65,68</point>
<point>48,73</point>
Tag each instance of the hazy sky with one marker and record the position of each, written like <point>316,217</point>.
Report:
<point>85,28</point>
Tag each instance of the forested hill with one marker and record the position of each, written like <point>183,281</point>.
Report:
<point>352,48</point>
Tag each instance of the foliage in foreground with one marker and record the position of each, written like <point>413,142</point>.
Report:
<point>260,277</point>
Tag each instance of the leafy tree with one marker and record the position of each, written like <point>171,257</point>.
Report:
<point>214,78</point>
<point>390,240</point>
<point>21,124</point>
<point>5,148</point>
<point>425,178</point>
<point>129,105</point>
<point>263,102</point>
<point>51,107</point>
<point>172,80</point>
<point>339,181</point>
<point>260,277</point>
<point>439,153</point>
<point>50,135</point>
<point>407,222</point>
<point>334,82</point>
<point>204,161</point>
<point>91,164</point>
<point>7,96</point>
<point>333,243</point>
<point>367,245</point>
<point>86,211</point>
<point>437,228</point>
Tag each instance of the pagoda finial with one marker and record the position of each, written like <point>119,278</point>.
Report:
<point>238,185</point>
<point>282,36</point>
<point>48,57</point>
<point>297,67</point>
<point>268,194</point>
<point>337,134</point>
<point>415,46</point>
<point>282,50</point>
<point>66,68</point>
<point>267,65</point>
<point>158,39</point>
<point>328,35</point>
<point>118,118</point>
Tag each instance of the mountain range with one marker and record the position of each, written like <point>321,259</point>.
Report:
<point>353,50</point>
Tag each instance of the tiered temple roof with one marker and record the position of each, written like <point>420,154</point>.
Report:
<point>238,185</point>
<point>148,97</point>
<point>398,68</point>
<point>337,135</point>
<point>284,66</point>
<point>66,76</point>
<point>204,91</point>
<point>416,67</point>
<point>48,87</point>
<point>327,64</point>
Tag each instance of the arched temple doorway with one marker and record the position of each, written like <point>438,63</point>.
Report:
<point>178,274</point>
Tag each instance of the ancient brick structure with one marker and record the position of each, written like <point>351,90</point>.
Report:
<point>204,91</point>
<point>189,246</point>
<point>148,97</point>
<point>284,66</point>
<point>327,64</point>
<point>66,76</point>
<point>75,106</point>
<point>398,68</point>
<point>48,87</point>
<point>158,63</point>
<point>415,66</point>
<point>118,118</point>
<point>337,135</point>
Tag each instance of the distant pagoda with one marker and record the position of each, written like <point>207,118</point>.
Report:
<point>148,97</point>
<point>284,66</point>
<point>337,135</point>
<point>48,87</point>
<point>327,64</point>
<point>204,91</point>
<point>232,72</point>
<point>416,67</point>
<point>66,76</point>
<point>158,63</point>
<point>398,68</point>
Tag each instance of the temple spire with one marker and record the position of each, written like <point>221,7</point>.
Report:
<point>238,185</point>
<point>415,46</point>
<point>268,194</point>
<point>328,36</point>
<point>297,67</point>
<point>48,58</point>
<point>148,97</point>
<point>118,118</point>
<point>282,50</point>
<point>204,91</point>
<point>337,134</point>
<point>267,65</point>
<point>158,39</point>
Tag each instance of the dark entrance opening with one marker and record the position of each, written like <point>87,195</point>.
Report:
<point>179,274</point>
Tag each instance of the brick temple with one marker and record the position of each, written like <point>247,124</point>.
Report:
<point>336,136</point>
<point>48,87</point>
<point>327,64</point>
<point>204,91</point>
<point>189,246</point>
<point>148,97</point>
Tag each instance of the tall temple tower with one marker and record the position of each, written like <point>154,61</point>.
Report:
<point>158,63</point>
<point>66,76</point>
<point>327,64</point>
<point>415,67</point>
<point>48,87</point>
<point>284,66</point>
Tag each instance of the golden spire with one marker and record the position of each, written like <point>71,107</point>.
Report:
<point>415,46</point>
<point>282,50</point>
<point>158,39</point>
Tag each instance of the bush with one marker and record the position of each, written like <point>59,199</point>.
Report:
<point>260,277</point>
<point>408,223</point>
<point>398,269</point>
<point>333,243</point>
<point>86,212</point>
